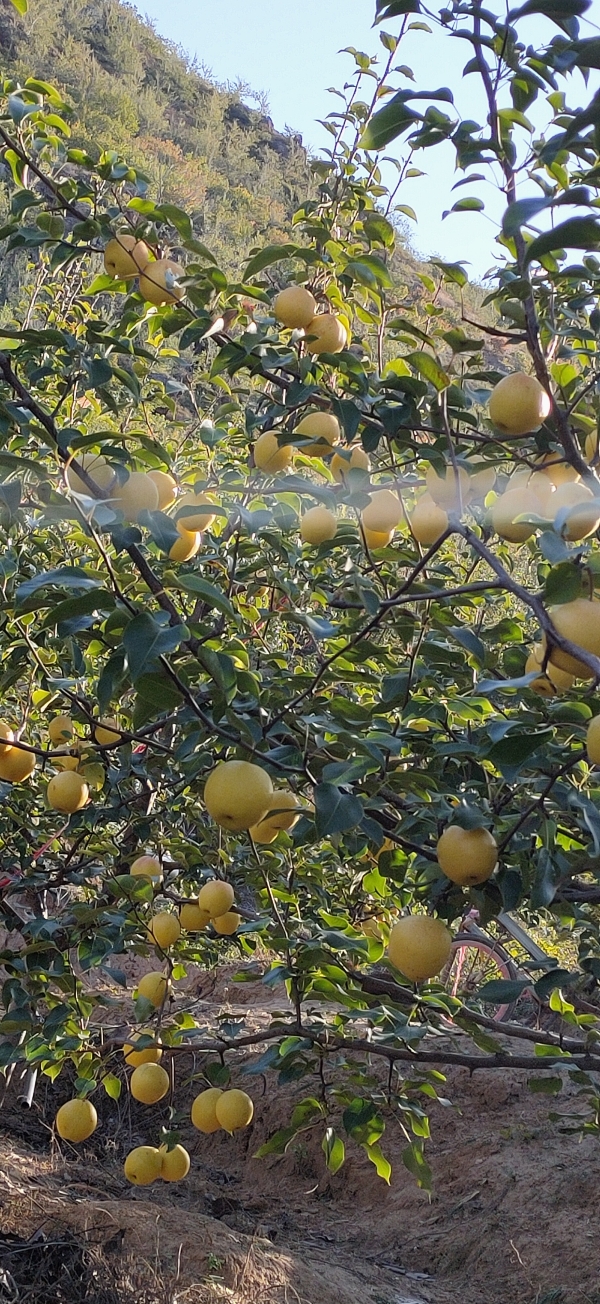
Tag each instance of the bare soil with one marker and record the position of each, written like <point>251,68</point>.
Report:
<point>512,1217</point>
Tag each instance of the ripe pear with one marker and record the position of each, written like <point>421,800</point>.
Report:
<point>154,987</point>
<point>67,792</point>
<point>428,522</point>
<point>186,546</point>
<point>96,467</point>
<point>419,946</point>
<point>283,813</point>
<point>347,460</point>
<point>295,307</point>
<point>6,733</point>
<point>543,685</point>
<point>76,1120</point>
<point>192,918</point>
<point>234,1110</point>
<point>237,794</point>
<point>138,493</point>
<point>326,334</point>
<point>383,512</point>
<point>374,539</point>
<point>510,505</point>
<point>518,405</point>
<point>583,514</point>
<point>557,469</point>
<point>149,1083</point>
<point>16,765</point>
<point>318,525</point>
<point>578,621</point>
<point>105,735</point>
<point>166,487</point>
<point>164,929</point>
<point>323,428</point>
<point>175,1163</point>
<point>195,512</point>
<point>467,856</point>
<point>60,729</point>
<point>146,867</point>
<point>142,1165</point>
<point>592,741</point>
<point>159,282</point>
<point>228,924</point>
<point>215,898</point>
<point>204,1118</point>
<point>125,256</point>
<point>452,492</point>
<point>271,456</point>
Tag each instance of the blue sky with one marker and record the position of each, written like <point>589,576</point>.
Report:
<point>291,52</point>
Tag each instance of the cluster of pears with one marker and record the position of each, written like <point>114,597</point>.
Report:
<point>552,492</point>
<point>126,257</point>
<point>151,491</point>
<point>450,493</point>
<point>239,795</point>
<point>296,309</point>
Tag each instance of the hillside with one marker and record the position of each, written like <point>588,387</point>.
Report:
<point>199,144</point>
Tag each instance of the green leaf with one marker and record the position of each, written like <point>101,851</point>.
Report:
<point>158,691</point>
<point>470,204</point>
<point>209,592</point>
<point>65,577</point>
<point>414,1159</point>
<point>429,368</point>
<point>515,747</point>
<point>334,1150</point>
<point>370,269</point>
<point>394,8</point>
<point>145,641</point>
<point>383,1166</point>
<point>545,1086</point>
<point>112,1086</point>
<point>576,233</point>
<point>266,257</point>
<point>563,583</point>
<point>502,991</point>
<point>523,210</point>
<point>336,811</point>
<point>21,6</point>
<point>388,123</point>
<point>560,11</point>
<point>85,605</point>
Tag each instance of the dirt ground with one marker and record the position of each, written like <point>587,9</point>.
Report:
<point>512,1216</point>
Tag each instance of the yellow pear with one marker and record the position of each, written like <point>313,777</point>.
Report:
<point>192,918</point>
<point>16,765</point>
<point>154,987</point>
<point>467,856</point>
<point>215,898</point>
<point>67,792</point>
<point>166,487</point>
<point>125,256</point>
<point>160,282</point>
<point>142,1165</point>
<point>237,794</point>
<point>349,459</point>
<point>137,494</point>
<point>195,513</point>
<point>283,813</point>
<point>270,455</point>
<point>175,1163</point>
<point>234,1110</point>
<point>146,867</point>
<point>76,1120</point>
<point>326,334</point>
<point>318,525</point>
<point>579,621</point>
<point>228,924</point>
<point>383,512</point>
<point>149,1083</point>
<point>204,1118</point>
<point>164,929</point>
<point>592,741</point>
<point>428,522</point>
<point>186,546</point>
<point>419,946</point>
<point>60,729</point>
<point>374,539</point>
<point>518,405</point>
<point>557,469</point>
<point>295,307</point>
<point>104,733</point>
<point>452,492</point>
<point>96,467</point>
<point>148,1055</point>
<point>323,428</point>
<point>508,507</point>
